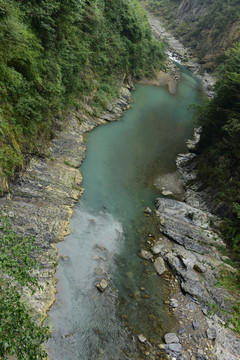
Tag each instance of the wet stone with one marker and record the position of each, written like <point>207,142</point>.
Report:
<point>142,338</point>
<point>159,266</point>
<point>146,255</point>
<point>147,210</point>
<point>171,338</point>
<point>174,349</point>
<point>102,285</point>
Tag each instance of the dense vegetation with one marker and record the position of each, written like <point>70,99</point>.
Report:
<point>210,28</point>
<point>220,142</point>
<point>54,52</point>
<point>20,334</point>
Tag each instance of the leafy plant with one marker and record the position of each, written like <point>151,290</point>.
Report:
<point>20,333</point>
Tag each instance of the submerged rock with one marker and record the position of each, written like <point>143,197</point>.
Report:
<point>102,285</point>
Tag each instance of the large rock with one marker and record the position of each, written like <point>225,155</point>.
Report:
<point>171,338</point>
<point>175,349</point>
<point>212,333</point>
<point>159,265</point>
<point>146,255</point>
<point>186,225</point>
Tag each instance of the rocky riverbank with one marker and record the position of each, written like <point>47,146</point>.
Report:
<point>177,52</point>
<point>40,204</point>
<point>191,246</point>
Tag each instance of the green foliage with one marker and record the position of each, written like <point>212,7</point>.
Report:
<point>231,281</point>
<point>220,146</point>
<point>54,52</point>
<point>20,333</point>
<point>165,8</point>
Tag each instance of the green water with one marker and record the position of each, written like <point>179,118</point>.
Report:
<point>123,159</point>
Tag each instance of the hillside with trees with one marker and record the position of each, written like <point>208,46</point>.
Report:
<point>54,52</point>
<point>209,28</point>
<point>219,148</point>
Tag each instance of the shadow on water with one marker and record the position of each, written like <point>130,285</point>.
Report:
<point>110,227</point>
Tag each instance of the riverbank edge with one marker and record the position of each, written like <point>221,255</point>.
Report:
<point>41,202</point>
<point>205,337</point>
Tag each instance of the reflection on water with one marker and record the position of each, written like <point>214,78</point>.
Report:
<point>109,229</point>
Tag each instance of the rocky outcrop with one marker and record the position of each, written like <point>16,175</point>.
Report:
<point>191,10</point>
<point>177,52</point>
<point>207,28</point>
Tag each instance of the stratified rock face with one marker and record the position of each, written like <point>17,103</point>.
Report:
<point>190,10</point>
<point>186,225</point>
<point>159,265</point>
<point>191,252</point>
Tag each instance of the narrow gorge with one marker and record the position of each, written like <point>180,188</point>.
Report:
<point>131,255</point>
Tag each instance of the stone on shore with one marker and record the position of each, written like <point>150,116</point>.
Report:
<point>148,210</point>
<point>142,338</point>
<point>171,338</point>
<point>146,255</point>
<point>156,249</point>
<point>159,265</point>
<point>212,333</point>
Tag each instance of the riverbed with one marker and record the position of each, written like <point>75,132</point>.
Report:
<point>109,227</point>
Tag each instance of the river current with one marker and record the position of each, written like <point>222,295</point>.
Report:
<point>109,228</point>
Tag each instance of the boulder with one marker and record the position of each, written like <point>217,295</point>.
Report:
<point>142,338</point>
<point>148,210</point>
<point>175,349</point>
<point>156,249</point>
<point>171,338</point>
<point>146,255</point>
<point>159,265</point>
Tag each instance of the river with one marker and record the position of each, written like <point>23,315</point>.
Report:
<point>109,228</point>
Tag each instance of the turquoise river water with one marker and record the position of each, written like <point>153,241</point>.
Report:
<point>109,228</point>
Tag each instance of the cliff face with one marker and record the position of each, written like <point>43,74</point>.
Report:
<point>209,28</point>
<point>191,10</point>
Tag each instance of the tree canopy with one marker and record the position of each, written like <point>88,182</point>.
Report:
<point>53,52</point>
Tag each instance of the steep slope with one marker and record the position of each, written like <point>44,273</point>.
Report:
<point>54,54</point>
<point>208,27</point>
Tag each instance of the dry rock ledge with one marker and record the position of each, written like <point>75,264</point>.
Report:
<point>40,204</point>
